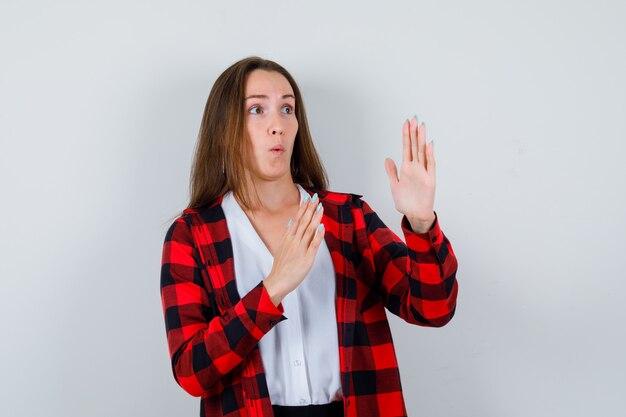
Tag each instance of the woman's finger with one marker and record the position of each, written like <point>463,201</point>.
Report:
<point>315,221</point>
<point>305,219</point>
<point>392,171</point>
<point>413,136</point>
<point>430,157</point>
<point>421,144</point>
<point>292,225</point>
<point>406,143</point>
<point>317,238</point>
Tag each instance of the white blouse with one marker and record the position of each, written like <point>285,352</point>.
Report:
<point>301,354</point>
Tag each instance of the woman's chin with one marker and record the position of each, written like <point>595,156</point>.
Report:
<point>272,174</point>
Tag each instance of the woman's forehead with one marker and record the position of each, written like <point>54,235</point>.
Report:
<point>265,83</point>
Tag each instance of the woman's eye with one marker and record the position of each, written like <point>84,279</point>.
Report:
<point>257,110</point>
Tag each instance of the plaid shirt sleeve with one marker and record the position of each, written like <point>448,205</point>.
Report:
<point>204,346</point>
<point>417,280</point>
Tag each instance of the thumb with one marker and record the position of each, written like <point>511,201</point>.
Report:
<point>392,171</point>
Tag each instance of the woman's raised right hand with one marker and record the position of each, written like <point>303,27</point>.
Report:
<point>296,252</point>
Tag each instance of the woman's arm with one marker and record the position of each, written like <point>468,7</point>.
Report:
<point>204,347</point>
<point>417,279</point>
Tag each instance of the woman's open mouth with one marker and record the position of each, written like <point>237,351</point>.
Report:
<point>277,150</point>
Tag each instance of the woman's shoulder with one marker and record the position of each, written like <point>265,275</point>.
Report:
<point>205,208</point>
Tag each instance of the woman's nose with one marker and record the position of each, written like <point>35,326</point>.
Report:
<point>276,126</point>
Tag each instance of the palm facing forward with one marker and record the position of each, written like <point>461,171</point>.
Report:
<point>414,192</point>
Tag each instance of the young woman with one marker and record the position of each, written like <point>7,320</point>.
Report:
<point>274,288</point>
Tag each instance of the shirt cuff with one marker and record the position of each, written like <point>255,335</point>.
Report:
<point>258,307</point>
<point>422,242</point>
<point>267,304</point>
<point>273,313</point>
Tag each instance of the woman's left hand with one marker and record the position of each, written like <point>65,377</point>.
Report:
<point>414,192</point>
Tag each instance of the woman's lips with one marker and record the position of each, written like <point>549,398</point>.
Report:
<point>277,150</point>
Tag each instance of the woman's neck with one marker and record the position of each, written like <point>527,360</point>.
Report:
<point>275,196</point>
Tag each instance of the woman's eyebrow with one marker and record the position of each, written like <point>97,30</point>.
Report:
<point>264,96</point>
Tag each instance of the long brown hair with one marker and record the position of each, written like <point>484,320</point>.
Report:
<point>221,149</point>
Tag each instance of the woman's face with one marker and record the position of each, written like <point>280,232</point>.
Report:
<point>271,124</point>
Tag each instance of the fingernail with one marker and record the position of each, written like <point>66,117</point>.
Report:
<point>319,207</point>
<point>290,221</point>
<point>314,199</point>
<point>306,199</point>
<point>415,117</point>
<point>320,227</point>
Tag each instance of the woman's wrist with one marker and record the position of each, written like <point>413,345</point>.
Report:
<point>422,225</point>
<point>273,290</point>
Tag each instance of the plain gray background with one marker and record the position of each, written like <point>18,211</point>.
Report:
<point>100,104</point>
